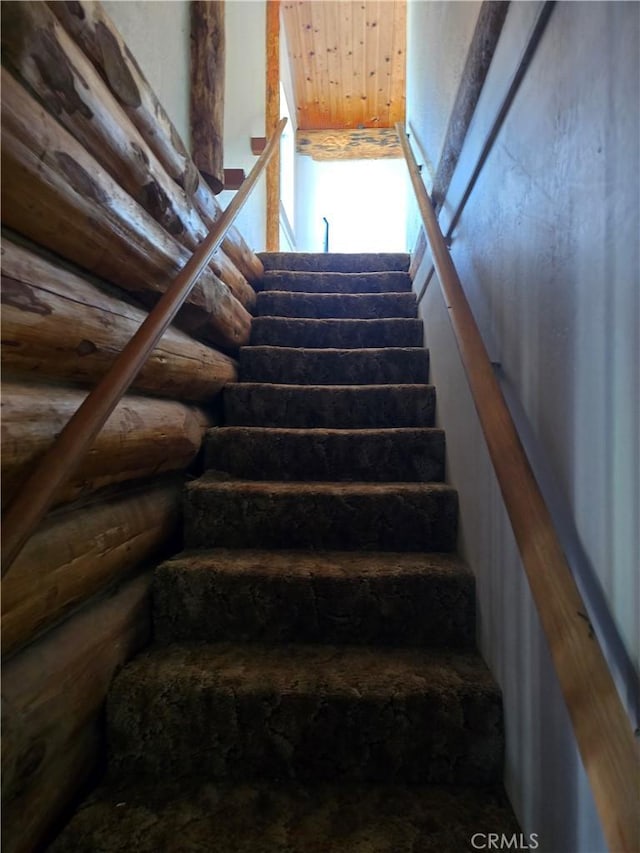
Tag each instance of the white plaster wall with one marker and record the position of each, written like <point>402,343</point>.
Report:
<point>439,33</point>
<point>305,222</point>
<point>547,250</point>
<point>157,34</point>
<point>244,113</point>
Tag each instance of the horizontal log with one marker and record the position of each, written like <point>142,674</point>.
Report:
<point>56,194</point>
<point>142,437</point>
<point>52,699</point>
<point>43,57</point>
<point>58,326</point>
<point>90,26</point>
<point>80,550</point>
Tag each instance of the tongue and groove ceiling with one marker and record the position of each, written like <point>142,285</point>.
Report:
<point>347,63</point>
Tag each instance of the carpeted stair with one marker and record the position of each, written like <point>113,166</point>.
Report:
<point>313,684</point>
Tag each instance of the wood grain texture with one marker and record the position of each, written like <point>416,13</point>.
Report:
<point>347,62</point>
<point>56,194</point>
<point>60,327</point>
<point>272,118</point>
<point>79,550</point>
<point>58,464</point>
<point>90,26</point>
<point>52,699</point>
<point>142,438</point>
<point>602,729</point>
<point>371,144</point>
<point>44,58</point>
<point>207,90</point>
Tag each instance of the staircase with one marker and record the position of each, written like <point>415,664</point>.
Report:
<point>313,686</point>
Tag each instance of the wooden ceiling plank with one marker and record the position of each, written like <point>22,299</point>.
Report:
<point>333,46</point>
<point>345,11</point>
<point>293,15</point>
<point>371,53</point>
<point>289,18</point>
<point>398,100</point>
<point>386,52</point>
<point>361,64</point>
<point>315,28</point>
<point>320,73</point>
<point>382,35</point>
<point>307,44</point>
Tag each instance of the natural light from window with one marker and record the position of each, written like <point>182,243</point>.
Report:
<point>365,202</point>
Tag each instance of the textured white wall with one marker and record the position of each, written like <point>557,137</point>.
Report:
<point>244,107</point>
<point>439,33</point>
<point>438,38</point>
<point>157,34</point>
<point>547,250</point>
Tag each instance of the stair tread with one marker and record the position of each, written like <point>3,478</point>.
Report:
<point>307,711</point>
<point>210,481</point>
<point>338,322</point>
<point>288,387</point>
<point>382,365</point>
<point>391,599</point>
<point>357,672</point>
<point>325,352</point>
<point>342,434</point>
<point>305,564</point>
<point>340,332</point>
<point>269,818</point>
<point>331,305</point>
<point>313,281</point>
<point>268,453</point>
<point>335,261</point>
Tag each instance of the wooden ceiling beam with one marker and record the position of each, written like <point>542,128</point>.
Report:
<point>272,119</point>
<point>207,90</point>
<point>376,143</point>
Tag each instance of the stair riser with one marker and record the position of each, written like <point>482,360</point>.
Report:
<point>341,334</point>
<point>335,261</point>
<point>329,408</point>
<point>279,365</point>
<point>325,282</point>
<point>321,306</point>
<point>175,817</point>
<point>422,520</point>
<point>390,456</point>
<point>411,610</point>
<point>214,733</point>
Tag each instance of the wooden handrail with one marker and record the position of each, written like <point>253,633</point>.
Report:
<point>61,460</point>
<point>602,729</point>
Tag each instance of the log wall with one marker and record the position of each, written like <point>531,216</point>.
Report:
<point>91,27</point>
<point>101,207</point>
<point>53,694</point>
